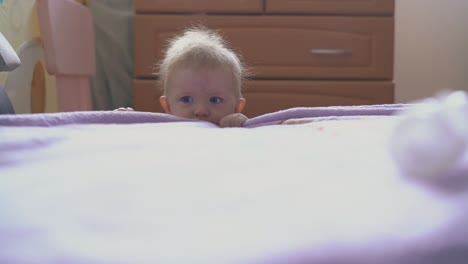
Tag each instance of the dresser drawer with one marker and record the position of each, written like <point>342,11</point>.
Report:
<point>269,96</point>
<point>355,7</point>
<point>146,95</point>
<point>283,47</point>
<point>198,6</point>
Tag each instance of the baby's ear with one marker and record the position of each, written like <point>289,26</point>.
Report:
<point>240,105</point>
<point>164,103</point>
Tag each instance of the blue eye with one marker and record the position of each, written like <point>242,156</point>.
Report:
<point>215,100</point>
<point>186,99</point>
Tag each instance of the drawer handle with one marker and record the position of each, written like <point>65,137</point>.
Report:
<point>331,51</point>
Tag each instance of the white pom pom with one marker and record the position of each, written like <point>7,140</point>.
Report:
<point>432,136</point>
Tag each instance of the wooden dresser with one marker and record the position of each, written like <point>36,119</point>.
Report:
<point>300,52</point>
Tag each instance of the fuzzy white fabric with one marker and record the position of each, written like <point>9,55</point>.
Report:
<point>189,192</point>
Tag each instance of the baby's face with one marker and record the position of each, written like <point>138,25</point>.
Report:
<point>207,94</point>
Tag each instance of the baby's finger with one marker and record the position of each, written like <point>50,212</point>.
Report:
<point>224,122</point>
<point>124,109</point>
<point>234,120</point>
<point>239,120</point>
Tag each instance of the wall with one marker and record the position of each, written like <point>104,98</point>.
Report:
<point>431,47</point>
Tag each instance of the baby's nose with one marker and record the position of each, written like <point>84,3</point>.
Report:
<point>201,111</point>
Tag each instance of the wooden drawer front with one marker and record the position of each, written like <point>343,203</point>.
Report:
<point>146,95</point>
<point>284,47</point>
<point>198,6</point>
<point>359,7</point>
<point>269,96</point>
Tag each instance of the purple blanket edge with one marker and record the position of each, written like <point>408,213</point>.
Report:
<point>115,117</point>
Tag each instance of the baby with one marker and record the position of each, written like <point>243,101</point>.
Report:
<point>201,79</point>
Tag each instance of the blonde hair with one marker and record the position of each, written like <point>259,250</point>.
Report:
<point>200,47</point>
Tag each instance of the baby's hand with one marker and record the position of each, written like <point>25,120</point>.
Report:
<point>233,120</point>
<point>124,109</point>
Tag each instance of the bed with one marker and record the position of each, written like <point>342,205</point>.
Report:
<point>303,185</point>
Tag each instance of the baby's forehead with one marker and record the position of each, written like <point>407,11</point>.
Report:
<point>201,88</point>
<point>201,76</point>
<point>211,78</point>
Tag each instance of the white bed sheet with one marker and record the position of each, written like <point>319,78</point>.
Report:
<point>323,192</point>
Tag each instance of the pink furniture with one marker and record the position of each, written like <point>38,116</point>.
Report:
<point>68,39</point>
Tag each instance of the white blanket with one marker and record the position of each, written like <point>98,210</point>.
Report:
<point>185,192</point>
